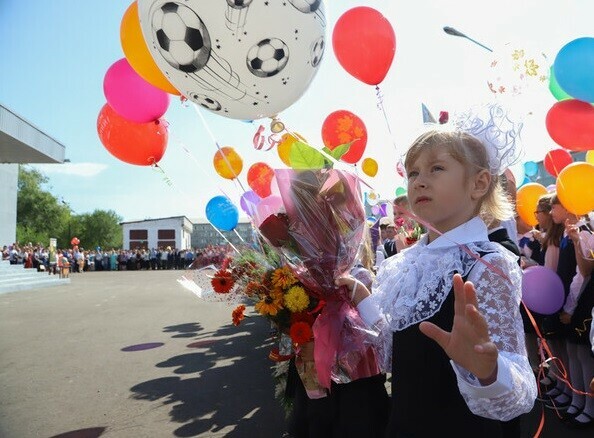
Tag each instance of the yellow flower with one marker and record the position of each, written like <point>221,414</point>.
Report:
<point>283,278</point>
<point>270,304</point>
<point>296,299</point>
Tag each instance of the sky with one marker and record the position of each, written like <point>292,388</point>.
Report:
<point>54,55</point>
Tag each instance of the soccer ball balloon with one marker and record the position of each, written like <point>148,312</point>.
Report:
<point>242,59</point>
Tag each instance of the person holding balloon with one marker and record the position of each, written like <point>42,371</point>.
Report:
<point>447,308</point>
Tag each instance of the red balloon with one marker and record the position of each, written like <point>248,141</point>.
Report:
<point>259,178</point>
<point>556,160</point>
<point>570,124</point>
<point>74,241</point>
<point>142,144</point>
<point>364,43</point>
<point>342,127</point>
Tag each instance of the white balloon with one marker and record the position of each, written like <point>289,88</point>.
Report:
<point>242,59</point>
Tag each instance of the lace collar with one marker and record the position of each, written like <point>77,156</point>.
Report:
<point>412,286</point>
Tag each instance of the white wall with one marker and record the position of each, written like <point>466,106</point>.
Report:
<point>182,227</point>
<point>9,175</point>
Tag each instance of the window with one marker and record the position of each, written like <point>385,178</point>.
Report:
<point>138,234</point>
<point>166,234</point>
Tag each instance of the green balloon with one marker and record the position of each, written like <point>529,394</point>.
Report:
<point>400,191</point>
<point>555,88</point>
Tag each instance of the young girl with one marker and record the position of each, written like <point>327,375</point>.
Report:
<point>459,360</point>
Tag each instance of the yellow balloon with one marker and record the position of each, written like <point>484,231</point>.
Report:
<point>590,157</point>
<point>526,201</point>
<point>575,188</point>
<point>369,167</point>
<point>284,147</point>
<point>137,52</point>
<point>227,163</point>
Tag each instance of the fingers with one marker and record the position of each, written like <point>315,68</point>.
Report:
<point>349,282</point>
<point>459,298</point>
<point>470,294</point>
<point>434,332</point>
<point>478,323</point>
<point>487,348</point>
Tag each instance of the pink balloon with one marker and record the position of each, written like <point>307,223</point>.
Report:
<point>131,96</point>
<point>268,206</point>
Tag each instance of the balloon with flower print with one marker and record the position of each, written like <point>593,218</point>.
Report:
<point>259,179</point>
<point>227,162</point>
<point>343,127</point>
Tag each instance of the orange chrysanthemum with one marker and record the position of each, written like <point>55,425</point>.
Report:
<point>300,332</point>
<point>237,314</point>
<point>283,278</point>
<point>270,303</point>
<point>222,282</point>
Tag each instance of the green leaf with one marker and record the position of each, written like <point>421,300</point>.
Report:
<point>340,150</point>
<point>304,156</point>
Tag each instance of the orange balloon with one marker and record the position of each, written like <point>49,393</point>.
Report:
<point>227,163</point>
<point>526,201</point>
<point>369,167</point>
<point>259,178</point>
<point>137,52</point>
<point>575,188</point>
<point>142,144</point>
<point>284,147</point>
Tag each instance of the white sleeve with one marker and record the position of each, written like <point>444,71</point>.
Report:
<point>514,391</point>
<point>575,290</point>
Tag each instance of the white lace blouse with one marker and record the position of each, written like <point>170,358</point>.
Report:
<point>411,287</point>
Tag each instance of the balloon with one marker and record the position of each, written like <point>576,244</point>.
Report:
<point>369,167</point>
<point>249,202</point>
<point>516,173</point>
<point>372,198</point>
<point>555,88</point>
<point>284,147</point>
<point>375,209</point>
<point>364,43</point>
<point>341,127</point>
<point>574,188</point>
<point>142,144</point>
<point>574,68</point>
<point>268,206</point>
<point>259,178</point>
<point>552,188</point>
<point>383,210</point>
<point>227,163</point>
<point>527,200</point>
<point>137,52</point>
<point>590,157</point>
<point>221,213</point>
<point>542,290</point>
<point>556,160</point>
<point>400,191</point>
<point>74,241</point>
<point>132,97</point>
<point>570,124</point>
<point>530,168</point>
<point>240,59</point>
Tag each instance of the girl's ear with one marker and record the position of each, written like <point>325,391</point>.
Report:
<point>480,184</point>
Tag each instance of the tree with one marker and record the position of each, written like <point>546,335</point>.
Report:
<point>100,228</point>
<point>39,214</point>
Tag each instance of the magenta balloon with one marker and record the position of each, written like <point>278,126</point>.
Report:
<point>132,97</point>
<point>249,202</point>
<point>542,290</point>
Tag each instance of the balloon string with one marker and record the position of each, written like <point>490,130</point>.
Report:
<point>238,235</point>
<point>213,138</point>
<point>380,106</point>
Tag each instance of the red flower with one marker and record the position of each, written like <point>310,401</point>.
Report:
<point>226,263</point>
<point>302,317</point>
<point>300,332</point>
<point>237,314</point>
<point>275,229</point>
<point>222,282</point>
<point>410,240</point>
<point>399,222</point>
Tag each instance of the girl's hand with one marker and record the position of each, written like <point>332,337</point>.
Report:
<point>357,290</point>
<point>572,231</point>
<point>468,344</point>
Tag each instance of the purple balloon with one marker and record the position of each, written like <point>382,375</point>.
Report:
<point>249,202</point>
<point>542,290</point>
<point>383,210</point>
<point>375,209</point>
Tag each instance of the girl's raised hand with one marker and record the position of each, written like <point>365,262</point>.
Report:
<point>468,344</point>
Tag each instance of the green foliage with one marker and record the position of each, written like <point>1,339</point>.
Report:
<point>304,156</point>
<point>40,216</point>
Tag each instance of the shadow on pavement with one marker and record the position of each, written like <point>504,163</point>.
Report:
<point>188,330</point>
<point>227,382</point>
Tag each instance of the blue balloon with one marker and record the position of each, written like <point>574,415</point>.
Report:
<point>526,181</point>
<point>574,68</point>
<point>221,212</point>
<point>530,168</point>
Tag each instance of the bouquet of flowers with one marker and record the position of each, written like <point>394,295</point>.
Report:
<point>319,232</point>
<point>409,230</point>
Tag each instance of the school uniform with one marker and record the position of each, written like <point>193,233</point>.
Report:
<point>431,395</point>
